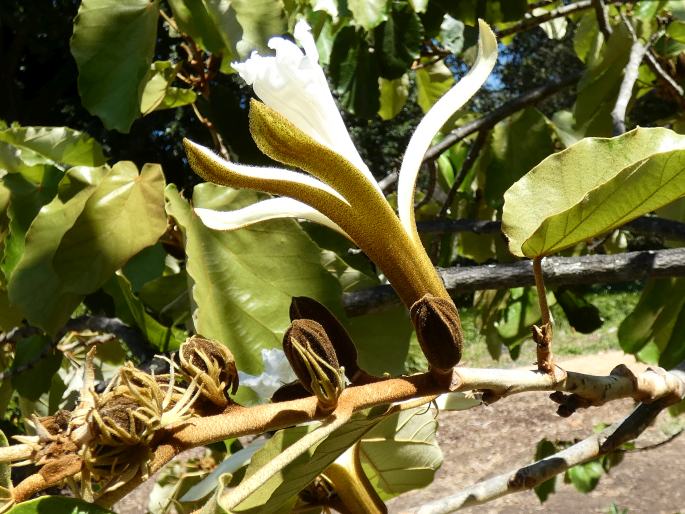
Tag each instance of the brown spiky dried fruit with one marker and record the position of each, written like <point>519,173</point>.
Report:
<point>212,365</point>
<point>438,330</point>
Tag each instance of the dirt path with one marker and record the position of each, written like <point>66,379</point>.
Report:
<point>483,442</point>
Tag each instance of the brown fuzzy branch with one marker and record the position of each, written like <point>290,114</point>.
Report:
<point>586,269</point>
<point>534,474</point>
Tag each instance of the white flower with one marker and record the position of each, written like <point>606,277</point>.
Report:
<point>277,371</point>
<point>299,125</point>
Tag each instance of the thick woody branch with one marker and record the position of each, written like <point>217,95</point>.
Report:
<point>534,474</point>
<point>492,118</point>
<point>496,383</point>
<point>557,271</point>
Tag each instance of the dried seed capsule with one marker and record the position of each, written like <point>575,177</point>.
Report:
<point>213,365</point>
<point>313,359</point>
<point>303,307</point>
<point>438,329</point>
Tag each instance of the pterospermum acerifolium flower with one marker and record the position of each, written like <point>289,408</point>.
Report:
<point>297,123</point>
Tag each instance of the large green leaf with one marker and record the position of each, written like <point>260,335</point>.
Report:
<point>401,453</point>
<point>87,232</point>
<point>509,156</point>
<point>61,145</point>
<point>285,484</point>
<point>593,187</point>
<point>204,21</point>
<point>244,280</point>
<point>113,45</point>
<point>354,72</point>
<point>58,505</point>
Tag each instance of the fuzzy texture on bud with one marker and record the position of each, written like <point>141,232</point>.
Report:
<point>439,332</point>
<point>303,307</point>
<point>313,359</point>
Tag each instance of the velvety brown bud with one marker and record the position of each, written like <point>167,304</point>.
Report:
<point>311,336</point>
<point>213,365</point>
<point>303,307</point>
<point>438,329</point>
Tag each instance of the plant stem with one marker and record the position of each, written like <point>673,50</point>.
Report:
<point>542,335</point>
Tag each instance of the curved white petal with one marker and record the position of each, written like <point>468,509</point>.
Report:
<point>272,208</point>
<point>435,118</point>
<point>293,83</point>
<point>261,173</point>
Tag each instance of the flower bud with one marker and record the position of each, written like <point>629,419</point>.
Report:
<point>213,365</point>
<point>438,329</point>
<point>303,307</point>
<point>313,359</point>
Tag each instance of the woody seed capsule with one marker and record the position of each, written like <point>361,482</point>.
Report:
<point>438,329</point>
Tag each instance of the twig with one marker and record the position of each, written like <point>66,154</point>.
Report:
<point>471,157</point>
<point>492,118</point>
<point>530,476</point>
<point>216,137</point>
<point>430,190</point>
<point>637,54</point>
<point>586,269</point>
<point>602,14</point>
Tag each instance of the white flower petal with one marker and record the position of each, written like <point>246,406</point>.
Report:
<point>293,83</point>
<point>277,371</point>
<point>433,121</point>
<point>272,208</point>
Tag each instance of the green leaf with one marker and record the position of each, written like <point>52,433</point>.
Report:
<point>212,25</point>
<point>131,310</point>
<point>599,85</point>
<point>61,145</point>
<point>368,14</point>
<point>58,505</point>
<point>398,41</point>
<point>452,34</point>
<point>382,340</point>
<point>92,228</point>
<point>511,156</point>
<point>354,73</point>
<point>260,21</point>
<point>587,39</point>
<point>585,477</point>
<point>113,45</point>
<point>432,82</point>
<point>5,475</point>
<point>545,448</point>
<point>591,188</point>
<point>580,313</point>
<point>284,485</point>
<point>401,453</point>
<point>158,92</point>
<point>394,94</point>
<point>676,30</point>
<point>32,371</point>
<point>243,281</point>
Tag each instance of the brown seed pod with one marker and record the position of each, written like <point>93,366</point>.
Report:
<point>313,359</point>
<point>213,365</point>
<point>439,332</point>
<point>303,307</point>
